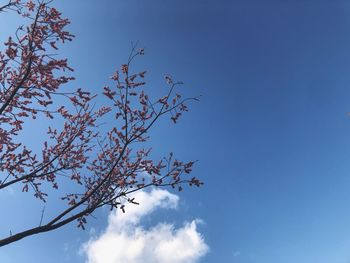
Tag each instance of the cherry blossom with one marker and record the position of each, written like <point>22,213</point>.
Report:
<point>106,167</point>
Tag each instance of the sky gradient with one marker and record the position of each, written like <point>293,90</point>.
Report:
<point>271,131</point>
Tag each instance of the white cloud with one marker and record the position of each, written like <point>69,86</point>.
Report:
<point>8,191</point>
<point>126,241</point>
<point>236,253</point>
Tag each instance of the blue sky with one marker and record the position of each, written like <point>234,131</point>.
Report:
<point>271,131</point>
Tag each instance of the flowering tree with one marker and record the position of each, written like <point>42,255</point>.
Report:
<point>104,167</point>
